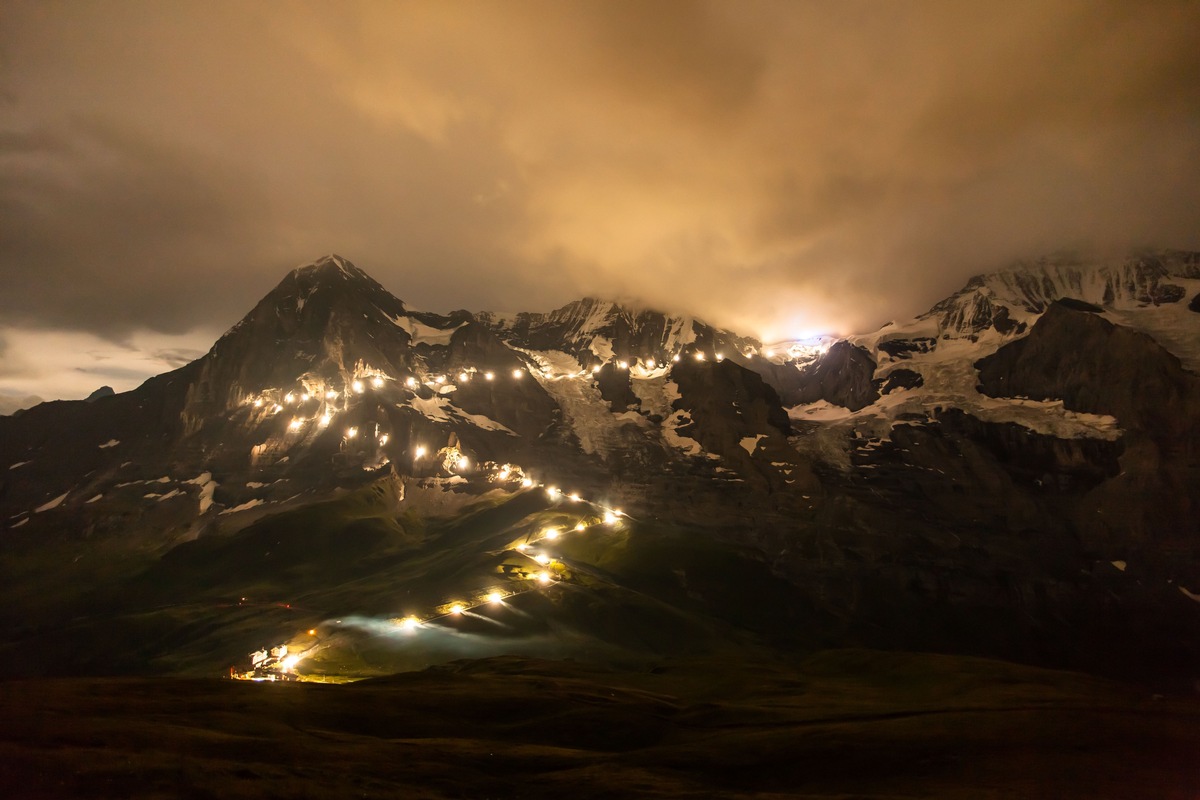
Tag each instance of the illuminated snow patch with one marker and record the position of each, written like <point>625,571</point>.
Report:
<point>420,333</point>
<point>486,423</point>
<point>244,506</point>
<point>20,464</point>
<point>19,524</point>
<point>434,408</point>
<point>55,503</point>
<point>110,443</point>
<point>750,443</point>
<point>601,347</point>
<point>1119,565</point>
<point>1190,595</point>
<point>93,499</point>
<point>672,436</point>
<point>207,487</point>
<point>820,411</point>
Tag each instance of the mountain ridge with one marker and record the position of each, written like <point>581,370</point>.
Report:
<point>869,476</point>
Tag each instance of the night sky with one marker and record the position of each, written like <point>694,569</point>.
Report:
<point>780,168</point>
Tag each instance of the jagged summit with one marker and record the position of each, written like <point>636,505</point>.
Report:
<point>599,330</point>
<point>1007,298</point>
<point>328,273</point>
<point>320,321</point>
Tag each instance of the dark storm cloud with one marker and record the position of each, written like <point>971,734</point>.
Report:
<point>781,167</point>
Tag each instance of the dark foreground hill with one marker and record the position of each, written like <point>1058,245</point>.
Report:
<point>838,724</point>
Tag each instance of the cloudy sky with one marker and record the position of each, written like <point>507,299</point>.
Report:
<point>781,168</point>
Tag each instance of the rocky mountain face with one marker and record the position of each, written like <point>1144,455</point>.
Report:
<point>1012,473</point>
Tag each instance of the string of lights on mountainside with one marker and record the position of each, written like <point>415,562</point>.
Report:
<point>280,662</point>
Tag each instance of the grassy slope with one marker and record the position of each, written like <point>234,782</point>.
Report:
<point>841,723</point>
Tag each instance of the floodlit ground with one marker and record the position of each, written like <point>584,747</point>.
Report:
<point>842,723</point>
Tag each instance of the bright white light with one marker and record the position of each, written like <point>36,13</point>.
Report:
<point>526,482</point>
<point>258,403</point>
<point>295,424</point>
<point>288,663</point>
<point>330,395</point>
<point>502,475</point>
<point>325,418</point>
<point>409,623</point>
<point>720,357</point>
<point>699,356</point>
<point>487,376</point>
<point>543,577</point>
<point>410,382</point>
<point>522,546</point>
<point>550,533</point>
<point>552,491</point>
<point>675,357</point>
<point>581,526</point>
<point>462,464</point>
<point>439,380</point>
<point>457,608</point>
<point>495,597</point>
<point>609,518</point>
<point>377,382</point>
<point>650,363</point>
<point>464,377</point>
<point>542,559</point>
<point>383,439</point>
<point>574,498</point>
<point>277,409</point>
<point>770,354</point>
<point>623,364</point>
<point>351,433</point>
<point>518,374</point>
<point>596,369</point>
<point>357,386</point>
<point>289,398</point>
<point>419,452</point>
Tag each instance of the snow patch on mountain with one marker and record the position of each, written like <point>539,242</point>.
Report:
<point>672,436</point>
<point>433,408</point>
<point>1172,325</point>
<point>750,443</point>
<point>110,443</point>
<point>601,347</point>
<point>950,379</point>
<point>598,430</point>
<point>55,503</point>
<point>249,504</point>
<point>420,333</point>
<point>439,409</point>
<point>207,487</point>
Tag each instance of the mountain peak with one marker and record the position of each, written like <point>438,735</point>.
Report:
<point>331,265</point>
<point>327,272</point>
